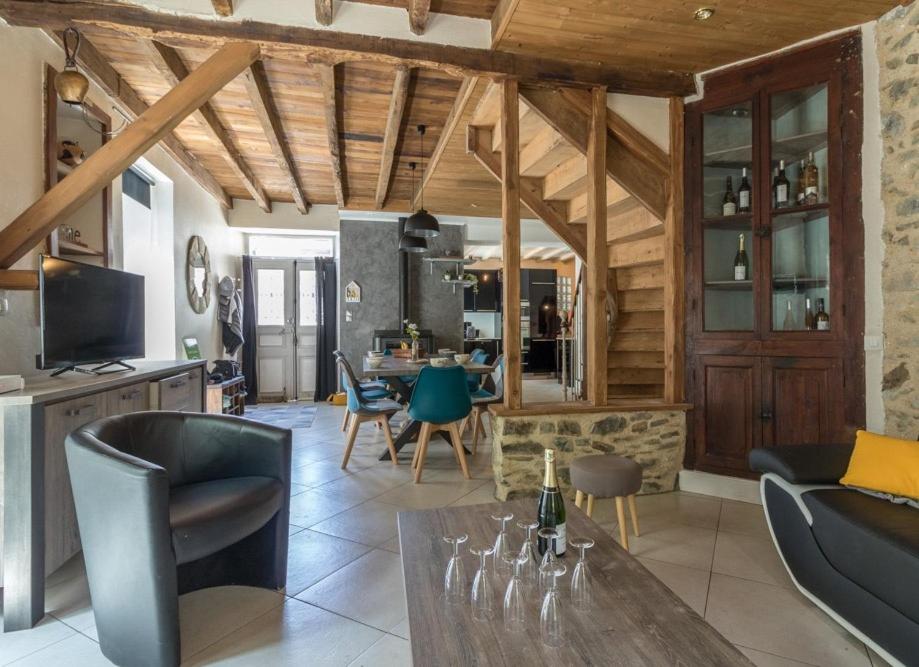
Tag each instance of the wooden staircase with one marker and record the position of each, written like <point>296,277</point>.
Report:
<point>553,170</point>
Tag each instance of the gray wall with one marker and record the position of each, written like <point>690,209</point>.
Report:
<point>370,256</point>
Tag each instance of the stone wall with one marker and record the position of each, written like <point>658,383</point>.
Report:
<point>655,440</point>
<point>898,56</point>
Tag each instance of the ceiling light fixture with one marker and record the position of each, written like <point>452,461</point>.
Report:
<point>411,243</point>
<point>421,223</point>
<point>703,14</point>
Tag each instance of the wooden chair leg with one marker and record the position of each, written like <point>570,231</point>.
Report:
<point>423,439</point>
<point>578,498</point>
<point>481,424</point>
<point>447,427</point>
<point>344,422</point>
<point>387,432</point>
<point>352,435</point>
<point>463,425</point>
<point>633,511</point>
<point>590,505</point>
<point>458,446</point>
<point>623,530</point>
<point>476,426</point>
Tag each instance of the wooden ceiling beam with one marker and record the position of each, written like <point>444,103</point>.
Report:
<point>631,159</point>
<point>223,7</point>
<point>97,68</point>
<point>256,81</point>
<point>478,144</point>
<point>418,11</point>
<point>320,45</point>
<point>391,133</point>
<point>330,108</point>
<point>15,279</point>
<point>325,12</point>
<point>173,68</point>
<point>107,163</point>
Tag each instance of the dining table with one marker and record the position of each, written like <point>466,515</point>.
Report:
<point>393,371</point>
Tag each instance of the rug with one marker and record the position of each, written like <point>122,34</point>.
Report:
<point>284,415</point>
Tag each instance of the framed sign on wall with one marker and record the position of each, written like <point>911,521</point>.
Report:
<point>352,292</point>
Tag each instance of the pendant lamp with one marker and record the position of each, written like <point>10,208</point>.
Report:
<point>412,243</point>
<point>421,223</point>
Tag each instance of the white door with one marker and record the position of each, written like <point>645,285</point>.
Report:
<point>286,306</point>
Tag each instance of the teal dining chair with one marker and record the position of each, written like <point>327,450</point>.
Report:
<point>491,393</point>
<point>474,380</point>
<point>440,401</point>
<point>364,409</point>
<point>372,390</point>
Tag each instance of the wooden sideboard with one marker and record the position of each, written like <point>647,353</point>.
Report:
<point>39,520</point>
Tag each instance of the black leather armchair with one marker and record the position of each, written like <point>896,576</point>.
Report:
<point>168,503</point>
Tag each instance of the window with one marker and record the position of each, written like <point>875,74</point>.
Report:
<point>307,284</point>
<point>270,299</point>
<point>273,245</point>
<point>136,186</point>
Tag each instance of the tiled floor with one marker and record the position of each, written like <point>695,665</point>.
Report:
<point>344,603</point>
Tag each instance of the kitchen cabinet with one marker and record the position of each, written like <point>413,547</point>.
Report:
<point>486,296</point>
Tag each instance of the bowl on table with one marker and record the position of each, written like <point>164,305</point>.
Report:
<point>375,353</point>
<point>440,362</point>
<point>446,351</point>
<point>462,359</point>
<point>375,362</point>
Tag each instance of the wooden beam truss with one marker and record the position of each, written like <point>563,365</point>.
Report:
<point>329,89</point>
<point>510,244</point>
<point>597,253</point>
<point>391,133</point>
<point>223,7</point>
<point>674,260</point>
<point>418,11</point>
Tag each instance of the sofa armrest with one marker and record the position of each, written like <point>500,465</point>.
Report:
<point>803,464</point>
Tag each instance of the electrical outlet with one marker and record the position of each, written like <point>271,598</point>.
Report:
<point>348,316</point>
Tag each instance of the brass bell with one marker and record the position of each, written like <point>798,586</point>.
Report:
<point>71,86</point>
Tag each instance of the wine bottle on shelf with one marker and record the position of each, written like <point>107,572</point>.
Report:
<point>781,187</point>
<point>808,314</point>
<point>789,323</point>
<point>821,318</point>
<point>740,261</point>
<point>729,202</point>
<point>799,196</point>
<point>775,182</point>
<point>811,181</point>
<point>550,512</point>
<point>743,193</point>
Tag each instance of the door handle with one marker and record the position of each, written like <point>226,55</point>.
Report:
<point>131,395</point>
<point>177,384</point>
<point>79,412</point>
<point>763,231</point>
<point>766,414</point>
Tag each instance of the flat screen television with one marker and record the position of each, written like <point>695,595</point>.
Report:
<point>89,315</point>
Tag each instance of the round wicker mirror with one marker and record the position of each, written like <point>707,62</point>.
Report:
<point>198,274</point>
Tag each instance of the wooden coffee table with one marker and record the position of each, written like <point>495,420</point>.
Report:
<point>636,621</point>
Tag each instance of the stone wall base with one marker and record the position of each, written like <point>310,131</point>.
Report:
<point>654,440</point>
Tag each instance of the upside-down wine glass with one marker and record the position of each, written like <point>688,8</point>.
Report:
<point>581,578</point>
<point>515,609</point>
<point>548,534</point>
<point>551,622</point>
<point>483,608</point>
<point>503,566</point>
<point>529,569</point>
<point>455,576</point>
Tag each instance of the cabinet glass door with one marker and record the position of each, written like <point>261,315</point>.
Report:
<point>800,229</point>
<point>727,218</point>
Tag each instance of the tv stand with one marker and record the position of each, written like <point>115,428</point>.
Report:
<point>95,371</point>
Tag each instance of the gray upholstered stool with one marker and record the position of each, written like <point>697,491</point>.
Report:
<point>608,476</point>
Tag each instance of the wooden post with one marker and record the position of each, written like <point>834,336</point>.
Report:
<point>510,243</point>
<point>597,252</point>
<point>674,304</point>
<point>37,221</point>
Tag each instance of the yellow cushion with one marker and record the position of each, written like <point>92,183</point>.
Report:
<point>884,464</point>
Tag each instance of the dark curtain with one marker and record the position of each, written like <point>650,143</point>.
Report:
<point>250,360</point>
<point>326,327</point>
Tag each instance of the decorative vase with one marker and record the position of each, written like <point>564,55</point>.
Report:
<point>416,350</point>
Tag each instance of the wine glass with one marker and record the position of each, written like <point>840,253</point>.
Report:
<point>514,602</point>
<point>549,535</point>
<point>503,566</point>
<point>581,579</point>
<point>529,569</point>
<point>482,593</point>
<point>455,576</point>
<point>551,623</point>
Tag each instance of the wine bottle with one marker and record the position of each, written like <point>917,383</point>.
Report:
<point>799,196</point>
<point>789,323</point>
<point>811,179</point>
<point>808,314</point>
<point>781,187</point>
<point>729,202</point>
<point>740,261</point>
<point>821,318</point>
<point>551,508</point>
<point>743,193</point>
<point>775,182</point>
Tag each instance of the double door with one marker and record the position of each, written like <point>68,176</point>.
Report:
<point>286,328</point>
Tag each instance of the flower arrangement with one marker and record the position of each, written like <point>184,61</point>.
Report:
<point>411,328</point>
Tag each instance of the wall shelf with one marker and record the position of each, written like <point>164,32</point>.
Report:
<point>70,248</point>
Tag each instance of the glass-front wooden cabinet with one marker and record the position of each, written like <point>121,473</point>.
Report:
<point>774,253</point>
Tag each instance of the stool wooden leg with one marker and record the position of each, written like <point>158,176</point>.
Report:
<point>344,422</point>
<point>590,505</point>
<point>423,439</point>
<point>387,431</point>
<point>623,530</point>
<point>352,435</point>
<point>633,511</point>
<point>578,498</point>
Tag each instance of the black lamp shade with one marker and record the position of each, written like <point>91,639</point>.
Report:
<point>412,244</point>
<point>422,224</point>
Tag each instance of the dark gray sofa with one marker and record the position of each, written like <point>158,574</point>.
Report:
<point>855,556</point>
<point>168,503</point>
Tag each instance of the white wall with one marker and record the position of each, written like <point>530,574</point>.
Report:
<point>648,115</point>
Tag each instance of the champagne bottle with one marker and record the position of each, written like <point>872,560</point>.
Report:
<point>729,202</point>
<point>811,180</point>
<point>808,314</point>
<point>799,196</point>
<point>789,323</point>
<point>740,261</point>
<point>821,318</point>
<point>781,187</point>
<point>743,193</point>
<point>551,508</point>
